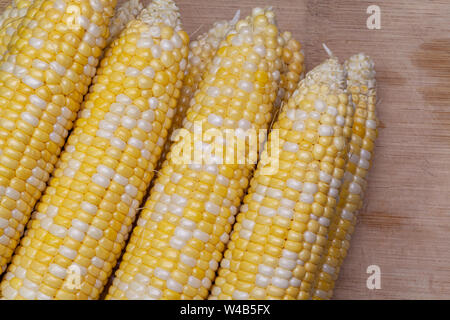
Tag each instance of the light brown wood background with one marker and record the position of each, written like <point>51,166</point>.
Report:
<point>405,226</point>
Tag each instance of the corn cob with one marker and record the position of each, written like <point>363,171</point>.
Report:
<point>280,227</point>
<point>332,197</point>
<point>10,19</point>
<point>201,52</point>
<point>175,248</point>
<point>362,87</point>
<point>86,213</point>
<point>43,77</point>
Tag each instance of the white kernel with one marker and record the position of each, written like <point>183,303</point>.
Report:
<point>191,262</point>
<point>58,231</point>
<point>176,177</point>
<point>136,143</point>
<point>26,293</point>
<point>340,120</point>
<point>131,190</point>
<point>347,215</point>
<point>94,30</point>
<point>118,143</point>
<point>144,43</point>
<point>324,221</point>
<point>294,184</point>
<point>32,82</point>
<point>179,200</point>
<point>213,91</point>
<point>215,120</point>
<point>89,207</point>
<point>290,147</point>
<point>328,269</point>
<point>363,163</point>
<point>354,188</point>
<point>250,66</point>
<point>166,45</point>
<point>314,115</point>
<point>333,192</point>
<point>307,198</point>
<point>176,242</point>
<point>265,270</point>
<point>101,180</point>
<point>12,193</point>
<point>36,42</point>
<point>156,51</point>
<point>223,180</point>
<point>212,208</point>
<point>285,212</point>
<point>294,282</point>
<point>262,281</point>
<point>132,72</point>
<point>326,131</point>
<point>240,295</point>
<point>29,118</point>
<point>76,234</point>
<point>95,233</point>
<point>128,122</point>
<point>325,177</point>
<point>59,69</point>
<point>148,72</point>
<point>332,111</point>
<point>67,252</point>
<point>266,211</point>
<point>320,105</point>
<point>287,203</point>
<point>309,187</point>
<point>365,154</point>
<point>153,103</point>
<point>260,50</point>
<point>144,125</point>
<point>335,183</point>
<point>371,124</point>
<point>245,85</point>
<point>298,126</point>
<point>310,237</point>
<point>105,171</point>
<point>122,98</point>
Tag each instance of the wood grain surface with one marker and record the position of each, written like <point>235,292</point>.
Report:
<point>405,225</point>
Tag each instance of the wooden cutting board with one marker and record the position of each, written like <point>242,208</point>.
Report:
<point>405,225</point>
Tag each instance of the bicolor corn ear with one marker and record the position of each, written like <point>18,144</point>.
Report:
<point>42,86</point>
<point>281,229</point>
<point>362,89</point>
<point>181,234</point>
<point>83,220</point>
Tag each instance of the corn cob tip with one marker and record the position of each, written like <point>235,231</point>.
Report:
<point>329,72</point>
<point>124,14</point>
<point>162,11</point>
<point>361,70</point>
